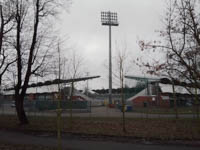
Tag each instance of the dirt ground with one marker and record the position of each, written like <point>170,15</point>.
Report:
<point>21,141</point>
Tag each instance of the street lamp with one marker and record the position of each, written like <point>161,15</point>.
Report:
<point>109,19</point>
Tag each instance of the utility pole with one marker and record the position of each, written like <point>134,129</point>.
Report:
<point>109,19</point>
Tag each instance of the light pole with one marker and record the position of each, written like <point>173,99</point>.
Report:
<point>109,19</point>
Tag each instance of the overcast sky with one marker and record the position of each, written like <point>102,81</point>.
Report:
<point>137,19</point>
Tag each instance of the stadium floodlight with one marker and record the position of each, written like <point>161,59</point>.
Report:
<point>109,19</point>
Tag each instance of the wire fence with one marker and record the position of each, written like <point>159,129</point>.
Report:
<point>45,108</point>
<point>96,109</point>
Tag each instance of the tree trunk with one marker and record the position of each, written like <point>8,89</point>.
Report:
<point>175,102</point>
<point>197,111</point>
<point>123,119</point>
<point>19,102</point>
<point>71,96</point>
<point>196,103</point>
<point>123,105</point>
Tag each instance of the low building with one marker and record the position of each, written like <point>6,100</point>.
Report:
<point>161,95</point>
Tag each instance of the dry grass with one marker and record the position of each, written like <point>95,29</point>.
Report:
<point>23,147</point>
<point>162,129</point>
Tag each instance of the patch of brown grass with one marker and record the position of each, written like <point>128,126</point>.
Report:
<point>162,129</point>
<point>23,147</point>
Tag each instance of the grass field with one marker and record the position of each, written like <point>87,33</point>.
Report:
<point>162,129</point>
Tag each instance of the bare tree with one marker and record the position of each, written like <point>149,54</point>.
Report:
<point>31,38</point>
<point>6,26</point>
<point>180,44</point>
<point>75,69</point>
<point>122,67</point>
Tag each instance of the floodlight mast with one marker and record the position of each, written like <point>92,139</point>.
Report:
<point>109,19</point>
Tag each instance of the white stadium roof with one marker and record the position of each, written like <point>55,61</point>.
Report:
<point>167,88</point>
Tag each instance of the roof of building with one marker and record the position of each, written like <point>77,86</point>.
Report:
<point>56,82</point>
<point>167,88</point>
<point>47,86</point>
<point>39,89</point>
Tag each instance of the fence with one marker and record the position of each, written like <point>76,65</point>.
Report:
<point>87,109</point>
<point>39,106</point>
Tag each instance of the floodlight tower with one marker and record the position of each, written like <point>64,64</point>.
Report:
<point>109,19</point>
